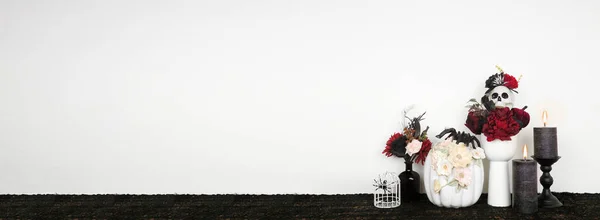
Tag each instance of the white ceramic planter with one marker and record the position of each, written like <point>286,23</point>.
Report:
<point>499,153</point>
<point>448,196</point>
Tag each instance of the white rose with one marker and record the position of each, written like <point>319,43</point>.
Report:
<point>463,175</point>
<point>478,153</point>
<point>446,142</point>
<point>441,155</point>
<point>434,160</point>
<point>413,147</point>
<point>460,156</point>
<point>444,168</point>
<point>441,145</point>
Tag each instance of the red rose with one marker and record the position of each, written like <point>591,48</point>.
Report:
<point>500,125</point>
<point>474,122</point>
<point>510,82</point>
<point>502,112</point>
<point>521,117</point>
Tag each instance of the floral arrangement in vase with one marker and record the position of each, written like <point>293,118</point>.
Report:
<point>495,116</point>
<point>496,119</point>
<point>412,144</point>
<point>452,158</point>
<point>454,171</point>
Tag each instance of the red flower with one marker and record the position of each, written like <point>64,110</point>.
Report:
<point>500,125</point>
<point>521,117</point>
<point>474,122</point>
<point>510,82</point>
<point>422,155</point>
<point>396,146</point>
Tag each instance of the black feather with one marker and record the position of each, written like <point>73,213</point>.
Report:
<point>487,103</point>
<point>494,80</point>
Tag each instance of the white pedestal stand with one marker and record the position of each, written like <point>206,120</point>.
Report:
<point>499,153</point>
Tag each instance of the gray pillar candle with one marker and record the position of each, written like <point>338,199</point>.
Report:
<point>545,143</point>
<point>525,198</point>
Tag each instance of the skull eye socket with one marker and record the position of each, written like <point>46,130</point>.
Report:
<point>494,95</point>
<point>504,95</point>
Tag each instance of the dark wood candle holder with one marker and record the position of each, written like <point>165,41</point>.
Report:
<point>546,199</point>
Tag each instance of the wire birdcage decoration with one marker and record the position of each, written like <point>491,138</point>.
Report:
<point>387,191</point>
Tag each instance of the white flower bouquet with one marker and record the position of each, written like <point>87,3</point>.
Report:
<point>451,160</point>
<point>454,170</point>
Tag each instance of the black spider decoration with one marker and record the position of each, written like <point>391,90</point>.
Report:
<point>382,184</point>
<point>459,137</point>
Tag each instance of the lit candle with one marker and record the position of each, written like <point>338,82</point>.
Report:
<point>545,140</point>
<point>545,117</point>
<point>525,198</point>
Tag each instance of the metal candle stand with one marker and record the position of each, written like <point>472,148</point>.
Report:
<point>546,199</point>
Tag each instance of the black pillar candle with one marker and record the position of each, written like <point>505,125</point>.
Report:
<point>545,143</point>
<point>525,198</point>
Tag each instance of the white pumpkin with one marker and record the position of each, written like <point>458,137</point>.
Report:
<point>449,196</point>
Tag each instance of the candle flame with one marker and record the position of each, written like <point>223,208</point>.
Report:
<point>545,117</point>
<point>525,152</point>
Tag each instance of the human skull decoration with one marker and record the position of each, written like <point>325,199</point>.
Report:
<point>495,117</point>
<point>501,96</point>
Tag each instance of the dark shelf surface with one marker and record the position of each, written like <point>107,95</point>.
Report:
<point>356,206</point>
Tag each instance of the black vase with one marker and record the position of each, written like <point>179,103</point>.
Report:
<point>410,184</point>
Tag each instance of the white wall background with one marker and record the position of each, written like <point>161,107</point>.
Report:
<point>273,96</point>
